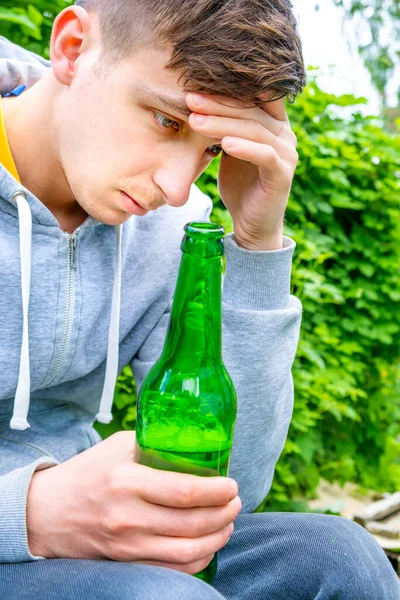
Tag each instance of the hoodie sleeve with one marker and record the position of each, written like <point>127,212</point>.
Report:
<point>19,66</point>
<point>261,323</point>
<point>14,487</point>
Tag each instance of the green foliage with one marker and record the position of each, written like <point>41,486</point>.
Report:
<point>29,23</point>
<point>381,53</point>
<point>344,215</point>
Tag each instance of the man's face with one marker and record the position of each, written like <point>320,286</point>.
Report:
<point>121,137</point>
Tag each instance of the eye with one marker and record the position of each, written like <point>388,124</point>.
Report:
<point>166,122</point>
<point>214,150</point>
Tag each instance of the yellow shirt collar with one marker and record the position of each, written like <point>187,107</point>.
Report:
<point>6,158</point>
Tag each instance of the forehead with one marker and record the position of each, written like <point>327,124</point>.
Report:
<point>144,72</point>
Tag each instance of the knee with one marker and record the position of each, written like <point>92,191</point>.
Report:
<point>354,564</point>
<point>137,581</point>
<point>330,557</point>
<point>103,580</point>
<point>174,585</point>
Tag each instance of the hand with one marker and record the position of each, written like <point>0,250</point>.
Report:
<point>102,505</point>
<point>257,166</point>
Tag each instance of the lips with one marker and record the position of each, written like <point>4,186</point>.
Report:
<point>132,206</point>
<point>133,200</point>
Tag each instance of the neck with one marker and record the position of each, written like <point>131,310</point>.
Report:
<point>31,132</point>
<point>195,327</point>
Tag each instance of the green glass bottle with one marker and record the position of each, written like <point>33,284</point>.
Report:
<point>187,403</point>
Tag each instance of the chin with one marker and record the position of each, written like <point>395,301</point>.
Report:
<point>110,217</point>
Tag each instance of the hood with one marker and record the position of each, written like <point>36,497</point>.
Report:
<point>19,67</point>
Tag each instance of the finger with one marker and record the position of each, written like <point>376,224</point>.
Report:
<point>190,569</point>
<point>180,490</point>
<point>276,109</point>
<point>184,551</point>
<point>191,522</point>
<point>231,108</point>
<point>262,155</point>
<point>217,127</point>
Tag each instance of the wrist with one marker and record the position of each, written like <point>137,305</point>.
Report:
<point>35,523</point>
<point>267,244</point>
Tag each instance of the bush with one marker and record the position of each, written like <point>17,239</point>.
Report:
<point>29,23</point>
<point>344,215</point>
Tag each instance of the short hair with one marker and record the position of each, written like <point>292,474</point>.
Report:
<point>241,49</point>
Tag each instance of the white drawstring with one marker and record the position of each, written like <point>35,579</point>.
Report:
<point>104,415</point>
<point>22,395</point>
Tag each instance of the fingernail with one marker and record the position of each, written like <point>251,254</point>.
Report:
<point>229,529</point>
<point>234,488</point>
<point>198,99</point>
<point>200,119</point>
<point>229,144</point>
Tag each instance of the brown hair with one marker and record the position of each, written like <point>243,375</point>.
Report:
<point>242,49</point>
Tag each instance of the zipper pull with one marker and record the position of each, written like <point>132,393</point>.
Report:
<point>72,250</point>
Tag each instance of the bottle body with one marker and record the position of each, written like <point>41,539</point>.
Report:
<point>181,431</point>
<point>187,402</point>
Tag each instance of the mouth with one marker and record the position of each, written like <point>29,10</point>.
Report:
<point>132,206</point>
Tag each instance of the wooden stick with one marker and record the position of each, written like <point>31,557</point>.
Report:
<point>391,531</point>
<point>379,510</point>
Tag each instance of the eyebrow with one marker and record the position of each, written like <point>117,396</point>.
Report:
<point>177,105</point>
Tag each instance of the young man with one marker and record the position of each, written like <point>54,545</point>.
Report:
<point>98,159</point>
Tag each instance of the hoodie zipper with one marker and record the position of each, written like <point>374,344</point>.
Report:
<point>69,311</point>
<point>38,448</point>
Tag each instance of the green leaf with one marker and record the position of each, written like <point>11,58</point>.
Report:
<point>20,18</point>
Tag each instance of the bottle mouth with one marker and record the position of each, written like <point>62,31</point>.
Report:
<point>203,239</point>
<point>206,229</point>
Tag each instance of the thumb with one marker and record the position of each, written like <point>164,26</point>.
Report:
<point>120,445</point>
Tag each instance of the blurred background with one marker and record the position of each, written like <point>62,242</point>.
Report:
<point>344,215</point>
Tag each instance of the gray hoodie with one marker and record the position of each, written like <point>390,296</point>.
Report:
<point>76,308</point>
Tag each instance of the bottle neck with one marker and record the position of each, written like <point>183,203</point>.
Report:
<point>195,326</point>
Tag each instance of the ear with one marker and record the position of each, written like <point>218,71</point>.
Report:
<point>69,39</point>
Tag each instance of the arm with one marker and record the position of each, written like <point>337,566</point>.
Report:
<point>261,323</point>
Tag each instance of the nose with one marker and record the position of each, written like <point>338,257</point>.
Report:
<point>175,179</point>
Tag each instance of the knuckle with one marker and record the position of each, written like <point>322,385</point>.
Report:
<point>287,180</point>
<point>226,536</point>
<point>271,154</point>
<point>293,136</point>
<point>194,526</point>
<point>116,479</point>
<point>188,569</point>
<point>117,523</point>
<point>118,435</point>
<point>198,566</point>
<point>187,495</point>
<point>187,553</point>
<point>236,506</point>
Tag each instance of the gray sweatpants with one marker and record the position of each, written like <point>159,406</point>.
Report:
<point>271,556</point>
